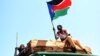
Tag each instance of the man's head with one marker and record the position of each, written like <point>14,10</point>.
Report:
<point>59,27</point>
<point>22,46</point>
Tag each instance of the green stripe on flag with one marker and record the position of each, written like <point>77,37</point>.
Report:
<point>61,12</point>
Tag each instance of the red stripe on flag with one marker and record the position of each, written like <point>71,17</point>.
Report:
<point>63,4</point>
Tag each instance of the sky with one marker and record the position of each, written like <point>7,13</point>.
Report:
<point>31,19</point>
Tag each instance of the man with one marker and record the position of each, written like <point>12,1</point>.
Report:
<point>64,36</point>
<point>21,50</point>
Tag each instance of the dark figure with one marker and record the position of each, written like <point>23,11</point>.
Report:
<point>21,50</point>
<point>65,37</point>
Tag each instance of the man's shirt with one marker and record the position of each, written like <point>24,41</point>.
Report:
<point>62,34</point>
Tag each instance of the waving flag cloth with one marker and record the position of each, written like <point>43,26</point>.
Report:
<point>58,8</point>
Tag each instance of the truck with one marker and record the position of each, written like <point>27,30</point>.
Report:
<point>52,48</point>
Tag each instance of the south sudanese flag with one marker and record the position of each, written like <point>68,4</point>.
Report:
<point>58,8</point>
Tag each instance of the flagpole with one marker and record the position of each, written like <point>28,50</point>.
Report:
<point>16,44</point>
<point>17,39</point>
<point>53,29</point>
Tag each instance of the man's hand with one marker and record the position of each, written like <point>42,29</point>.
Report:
<point>53,29</point>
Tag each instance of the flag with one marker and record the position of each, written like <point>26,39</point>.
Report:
<point>58,8</point>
